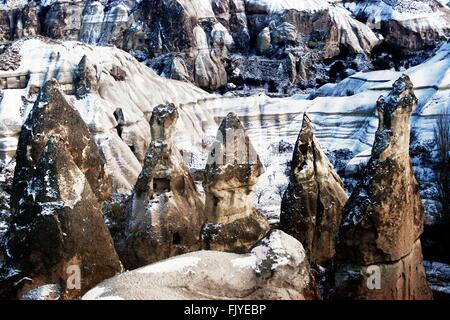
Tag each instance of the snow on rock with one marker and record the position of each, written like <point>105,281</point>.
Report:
<point>438,276</point>
<point>175,264</point>
<point>128,95</point>
<point>275,269</point>
<point>410,24</point>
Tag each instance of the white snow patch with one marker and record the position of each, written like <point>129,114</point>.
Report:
<point>175,264</point>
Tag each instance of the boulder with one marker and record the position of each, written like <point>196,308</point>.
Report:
<point>276,268</point>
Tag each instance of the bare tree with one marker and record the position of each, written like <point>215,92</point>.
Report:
<point>442,139</point>
<point>280,189</point>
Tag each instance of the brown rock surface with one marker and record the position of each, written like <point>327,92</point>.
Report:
<point>53,115</point>
<point>383,218</point>
<point>232,170</point>
<point>61,227</point>
<point>312,205</point>
<point>165,213</point>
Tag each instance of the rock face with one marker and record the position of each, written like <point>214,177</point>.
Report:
<point>276,268</point>
<point>232,170</point>
<point>18,22</point>
<point>53,115</point>
<point>165,213</point>
<point>201,35</point>
<point>312,205</point>
<point>405,24</point>
<point>384,218</point>
<point>60,233</point>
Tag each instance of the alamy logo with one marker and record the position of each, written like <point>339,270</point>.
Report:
<point>374,277</point>
<point>74,277</point>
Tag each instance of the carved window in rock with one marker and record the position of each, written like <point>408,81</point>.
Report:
<point>176,238</point>
<point>161,185</point>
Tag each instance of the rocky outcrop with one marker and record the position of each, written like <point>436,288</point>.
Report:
<point>53,115</point>
<point>232,170</point>
<point>165,213</point>
<point>60,237</point>
<point>405,24</point>
<point>18,22</point>
<point>276,268</point>
<point>312,205</point>
<point>383,218</point>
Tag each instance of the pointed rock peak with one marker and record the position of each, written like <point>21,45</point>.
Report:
<point>394,112</point>
<point>306,122</point>
<point>401,96</point>
<point>54,116</point>
<point>163,121</point>
<point>304,147</point>
<point>231,121</point>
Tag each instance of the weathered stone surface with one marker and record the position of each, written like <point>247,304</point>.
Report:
<point>276,268</point>
<point>53,115</point>
<point>84,78</point>
<point>263,41</point>
<point>61,229</point>
<point>165,213</point>
<point>232,170</point>
<point>383,218</point>
<point>400,280</point>
<point>384,215</point>
<point>17,22</point>
<point>311,208</point>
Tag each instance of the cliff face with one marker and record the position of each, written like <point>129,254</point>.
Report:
<point>405,24</point>
<point>312,205</point>
<point>194,40</point>
<point>383,218</point>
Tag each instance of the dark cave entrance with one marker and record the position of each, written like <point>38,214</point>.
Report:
<point>176,238</point>
<point>161,185</point>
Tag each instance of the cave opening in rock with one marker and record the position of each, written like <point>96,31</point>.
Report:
<point>176,238</point>
<point>118,115</point>
<point>161,185</point>
<point>273,88</point>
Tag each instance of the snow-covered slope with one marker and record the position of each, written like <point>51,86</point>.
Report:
<point>38,60</point>
<point>343,114</point>
<point>411,24</point>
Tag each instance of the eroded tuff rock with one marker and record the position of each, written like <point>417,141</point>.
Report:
<point>232,170</point>
<point>61,230</point>
<point>193,40</point>
<point>405,24</point>
<point>276,268</point>
<point>383,218</point>
<point>165,213</point>
<point>53,115</point>
<point>18,22</point>
<point>312,205</point>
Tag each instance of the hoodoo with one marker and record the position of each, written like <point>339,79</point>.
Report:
<point>383,219</point>
<point>231,172</point>
<point>312,205</point>
<point>165,213</point>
